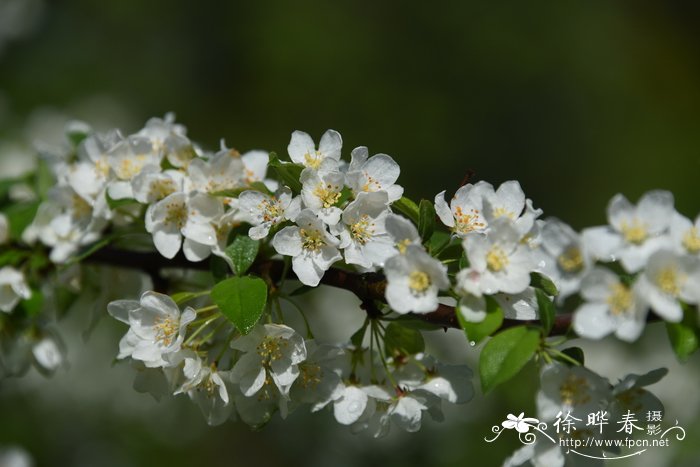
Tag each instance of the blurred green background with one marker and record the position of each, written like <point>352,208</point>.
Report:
<point>576,100</point>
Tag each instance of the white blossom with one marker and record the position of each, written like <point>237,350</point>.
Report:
<point>413,281</point>
<point>685,235</point>
<point>126,159</point>
<point>634,232</point>
<point>668,278</point>
<point>13,288</point>
<point>302,148</point>
<point>377,173</point>
<point>312,248</point>
<point>157,328</point>
<point>321,191</point>
<point>270,351</point>
<point>563,257</point>
<point>465,212</point>
<point>498,261</point>
<point>611,306</point>
<point>363,236</point>
<point>223,171</point>
<point>402,232</point>
<point>264,211</point>
<point>180,215</point>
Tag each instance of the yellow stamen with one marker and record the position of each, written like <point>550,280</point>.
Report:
<point>327,193</point>
<point>620,299</point>
<point>634,232</point>
<point>418,282</point>
<point>312,239</point>
<point>573,391</point>
<point>571,260</point>
<point>496,259</point>
<point>691,240</point>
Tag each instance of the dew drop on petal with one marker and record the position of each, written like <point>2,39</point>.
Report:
<point>472,343</point>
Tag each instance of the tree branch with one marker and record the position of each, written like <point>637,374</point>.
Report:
<point>369,287</point>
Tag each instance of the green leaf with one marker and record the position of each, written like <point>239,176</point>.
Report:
<point>438,242</point>
<point>242,300</point>
<point>219,268</point>
<point>117,203</point>
<point>416,323</point>
<point>20,216</point>
<point>400,340</point>
<point>476,332</point>
<point>540,281</point>
<point>546,309</point>
<point>408,208</point>
<point>242,252</point>
<point>33,305</point>
<point>287,172</point>
<point>44,179</point>
<point>574,352</point>
<point>426,219</point>
<point>684,335</point>
<point>506,354</point>
<point>12,257</point>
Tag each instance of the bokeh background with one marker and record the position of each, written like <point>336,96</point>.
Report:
<point>576,100</point>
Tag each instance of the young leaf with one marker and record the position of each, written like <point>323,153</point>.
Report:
<point>426,219</point>
<point>19,216</point>
<point>242,300</point>
<point>400,340</point>
<point>476,332</point>
<point>540,281</point>
<point>407,207</point>
<point>546,309</point>
<point>288,173</point>
<point>242,252</point>
<point>505,355</point>
<point>684,335</point>
<point>438,242</point>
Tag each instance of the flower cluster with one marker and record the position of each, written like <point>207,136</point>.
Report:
<point>577,403</point>
<point>274,369</point>
<point>235,355</point>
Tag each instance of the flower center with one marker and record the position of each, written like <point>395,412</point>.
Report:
<point>81,208</point>
<point>496,259</point>
<point>161,188</point>
<point>402,245</point>
<point>669,281</point>
<point>371,184</point>
<point>130,166</point>
<point>571,260</point>
<point>271,209</point>
<point>573,391</point>
<point>270,349</point>
<point>312,239</point>
<point>634,232</point>
<point>166,329</point>
<point>313,160</point>
<point>176,214</point>
<point>362,230</point>
<point>691,240</point>
<point>620,299</point>
<point>327,193</point>
<point>310,375</point>
<point>467,222</point>
<point>503,212</point>
<point>418,282</point>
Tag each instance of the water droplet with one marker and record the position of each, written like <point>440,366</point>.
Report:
<point>472,343</point>
<point>354,407</point>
